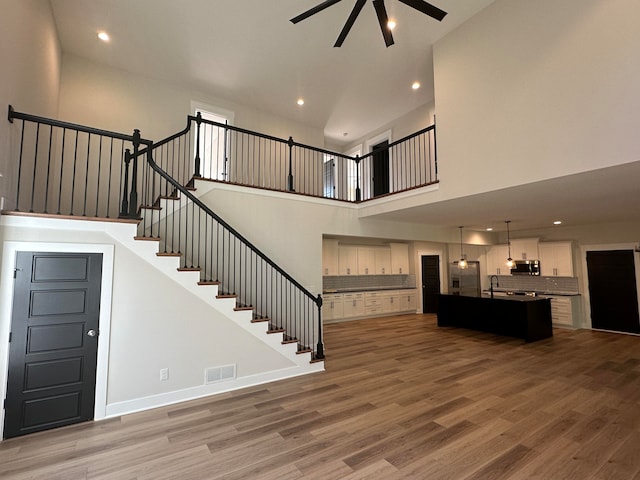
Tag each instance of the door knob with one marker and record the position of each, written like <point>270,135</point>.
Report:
<point>92,333</point>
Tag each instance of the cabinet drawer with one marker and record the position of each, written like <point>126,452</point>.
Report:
<point>373,302</point>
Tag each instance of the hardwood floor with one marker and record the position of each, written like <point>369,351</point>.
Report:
<point>400,399</point>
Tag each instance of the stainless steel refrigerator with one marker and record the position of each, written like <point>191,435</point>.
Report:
<point>465,281</point>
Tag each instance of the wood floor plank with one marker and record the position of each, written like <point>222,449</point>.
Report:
<point>400,399</point>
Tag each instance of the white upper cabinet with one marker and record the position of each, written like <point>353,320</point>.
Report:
<point>497,260</point>
<point>524,249</point>
<point>329,257</point>
<point>366,261</point>
<point>383,260</point>
<point>399,258</point>
<point>347,260</point>
<point>556,259</point>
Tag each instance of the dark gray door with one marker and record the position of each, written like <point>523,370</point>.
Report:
<point>380,168</point>
<point>53,342</point>
<point>613,294</point>
<point>430,283</point>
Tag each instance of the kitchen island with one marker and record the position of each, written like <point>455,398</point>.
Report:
<point>523,317</point>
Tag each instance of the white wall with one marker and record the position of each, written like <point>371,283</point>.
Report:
<point>289,228</point>
<point>155,323</point>
<point>528,91</point>
<point>30,59</point>
<point>103,97</point>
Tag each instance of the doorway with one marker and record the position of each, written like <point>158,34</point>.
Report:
<point>54,341</point>
<point>613,291</point>
<point>430,283</point>
<point>380,168</point>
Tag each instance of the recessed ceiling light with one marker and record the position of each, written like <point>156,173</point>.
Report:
<point>557,222</point>
<point>104,36</point>
<point>391,24</point>
<point>489,229</point>
<point>415,85</point>
<point>301,101</point>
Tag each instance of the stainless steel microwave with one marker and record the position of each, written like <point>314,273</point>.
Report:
<point>526,267</point>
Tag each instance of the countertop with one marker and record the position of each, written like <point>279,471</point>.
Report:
<point>366,289</point>
<point>515,298</point>
<point>538,294</point>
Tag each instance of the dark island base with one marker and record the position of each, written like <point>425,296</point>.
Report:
<point>527,318</point>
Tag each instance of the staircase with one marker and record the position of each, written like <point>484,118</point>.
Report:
<point>68,172</point>
<point>156,219</point>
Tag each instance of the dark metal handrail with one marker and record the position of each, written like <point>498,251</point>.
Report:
<point>238,156</point>
<point>221,253</point>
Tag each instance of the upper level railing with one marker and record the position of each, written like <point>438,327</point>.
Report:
<point>225,153</point>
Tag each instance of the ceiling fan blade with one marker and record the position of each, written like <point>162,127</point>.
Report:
<point>350,21</point>
<point>314,10</point>
<point>424,7</point>
<point>383,20</point>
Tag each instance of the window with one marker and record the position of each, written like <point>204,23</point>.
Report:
<point>214,141</point>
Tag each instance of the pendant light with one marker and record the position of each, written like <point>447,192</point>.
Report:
<point>462,263</point>
<point>510,262</point>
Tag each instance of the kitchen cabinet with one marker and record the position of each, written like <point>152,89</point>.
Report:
<point>399,258</point>
<point>556,259</point>
<point>497,260</point>
<point>373,302</point>
<point>347,260</point>
<point>524,249</point>
<point>565,310</point>
<point>408,301</point>
<point>383,261</point>
<point>471,252</point>
<point>332,307</point>
<point>329,257</point>
<point>366,261</point>
<point>353,305</point>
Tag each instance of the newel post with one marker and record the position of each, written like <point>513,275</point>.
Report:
<point>290,183</point>
<point>133,197</point>
<point>124,208</point>
<point>358,193</point>
<point>320,346</point>
<point>196,172</point>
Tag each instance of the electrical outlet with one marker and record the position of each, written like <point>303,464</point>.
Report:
<point>164,374</point>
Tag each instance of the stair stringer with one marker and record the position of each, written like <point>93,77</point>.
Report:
<point>169,265</point>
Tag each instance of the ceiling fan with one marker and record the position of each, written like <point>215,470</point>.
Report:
<point>381,11</point>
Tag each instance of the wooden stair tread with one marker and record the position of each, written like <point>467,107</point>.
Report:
<point>188,269</point>
<point>241,309</point>
<point>258,320</point>
<point>148,239</point>
<point>226,295</point>
<point>168,254</point>
<point>208,282</point>
<point>276,330</point>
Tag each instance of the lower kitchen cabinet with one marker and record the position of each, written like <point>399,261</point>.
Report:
<point>565,310</point>
<point>332,307</point>
<point>345,306</point>
<point>353,305</point>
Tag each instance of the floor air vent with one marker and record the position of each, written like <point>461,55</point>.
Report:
<point>219,374</point>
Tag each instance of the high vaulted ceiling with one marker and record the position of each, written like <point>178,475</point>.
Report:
<point>248,51</point>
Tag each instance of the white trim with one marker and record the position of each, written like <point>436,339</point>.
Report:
<point>10,249</point>
<point>228,114</point>
<point>177,396</point>
<point>586,301</point>
<point>381,137</point>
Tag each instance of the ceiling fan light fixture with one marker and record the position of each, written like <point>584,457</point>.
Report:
<point>386,25</point>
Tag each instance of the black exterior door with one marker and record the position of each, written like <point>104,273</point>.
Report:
<point>613,292</point>
<point>380,168</point>
<point>430,283</point>
<point>53,341</point>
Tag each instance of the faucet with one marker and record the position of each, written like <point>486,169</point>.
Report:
<point>491,285</point>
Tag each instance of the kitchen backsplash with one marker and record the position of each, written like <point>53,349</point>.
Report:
<point>539,284</point>
<point>342,283</point>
